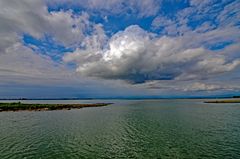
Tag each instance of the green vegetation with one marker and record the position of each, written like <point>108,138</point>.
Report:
<point>39,107</point>
<point>224,101</point>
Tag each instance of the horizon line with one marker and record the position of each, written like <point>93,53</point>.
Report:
<point>126,98</point>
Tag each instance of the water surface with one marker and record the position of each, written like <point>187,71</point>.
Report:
<point>128,129</point>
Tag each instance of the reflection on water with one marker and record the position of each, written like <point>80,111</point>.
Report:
<point>127,129</point>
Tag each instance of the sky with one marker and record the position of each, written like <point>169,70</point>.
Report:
<point>118,48</point>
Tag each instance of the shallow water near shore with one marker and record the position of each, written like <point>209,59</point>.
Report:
<point>127,129</point>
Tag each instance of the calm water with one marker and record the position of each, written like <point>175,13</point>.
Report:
<point>128,129</point>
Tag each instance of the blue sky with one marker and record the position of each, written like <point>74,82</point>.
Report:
<point>105,48</point>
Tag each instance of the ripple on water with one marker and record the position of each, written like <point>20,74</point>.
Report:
<point>143,129</point>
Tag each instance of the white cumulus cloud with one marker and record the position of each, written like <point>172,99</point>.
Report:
<point>138,56</point>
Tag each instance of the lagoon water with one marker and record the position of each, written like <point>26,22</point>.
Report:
<point>127,129</point>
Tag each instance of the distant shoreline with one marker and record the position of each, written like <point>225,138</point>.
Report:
<point>18,106</point>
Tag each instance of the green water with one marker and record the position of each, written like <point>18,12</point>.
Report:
<point>128,129</point>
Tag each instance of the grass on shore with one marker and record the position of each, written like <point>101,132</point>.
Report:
<point>16,106</point>
<point>224,101</point>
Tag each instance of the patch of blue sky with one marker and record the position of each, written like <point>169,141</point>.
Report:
<point>46,46</point>
<point>65,7</point>
<point>170,8</point>
<point>221,45</point>
<point>118,23</point>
